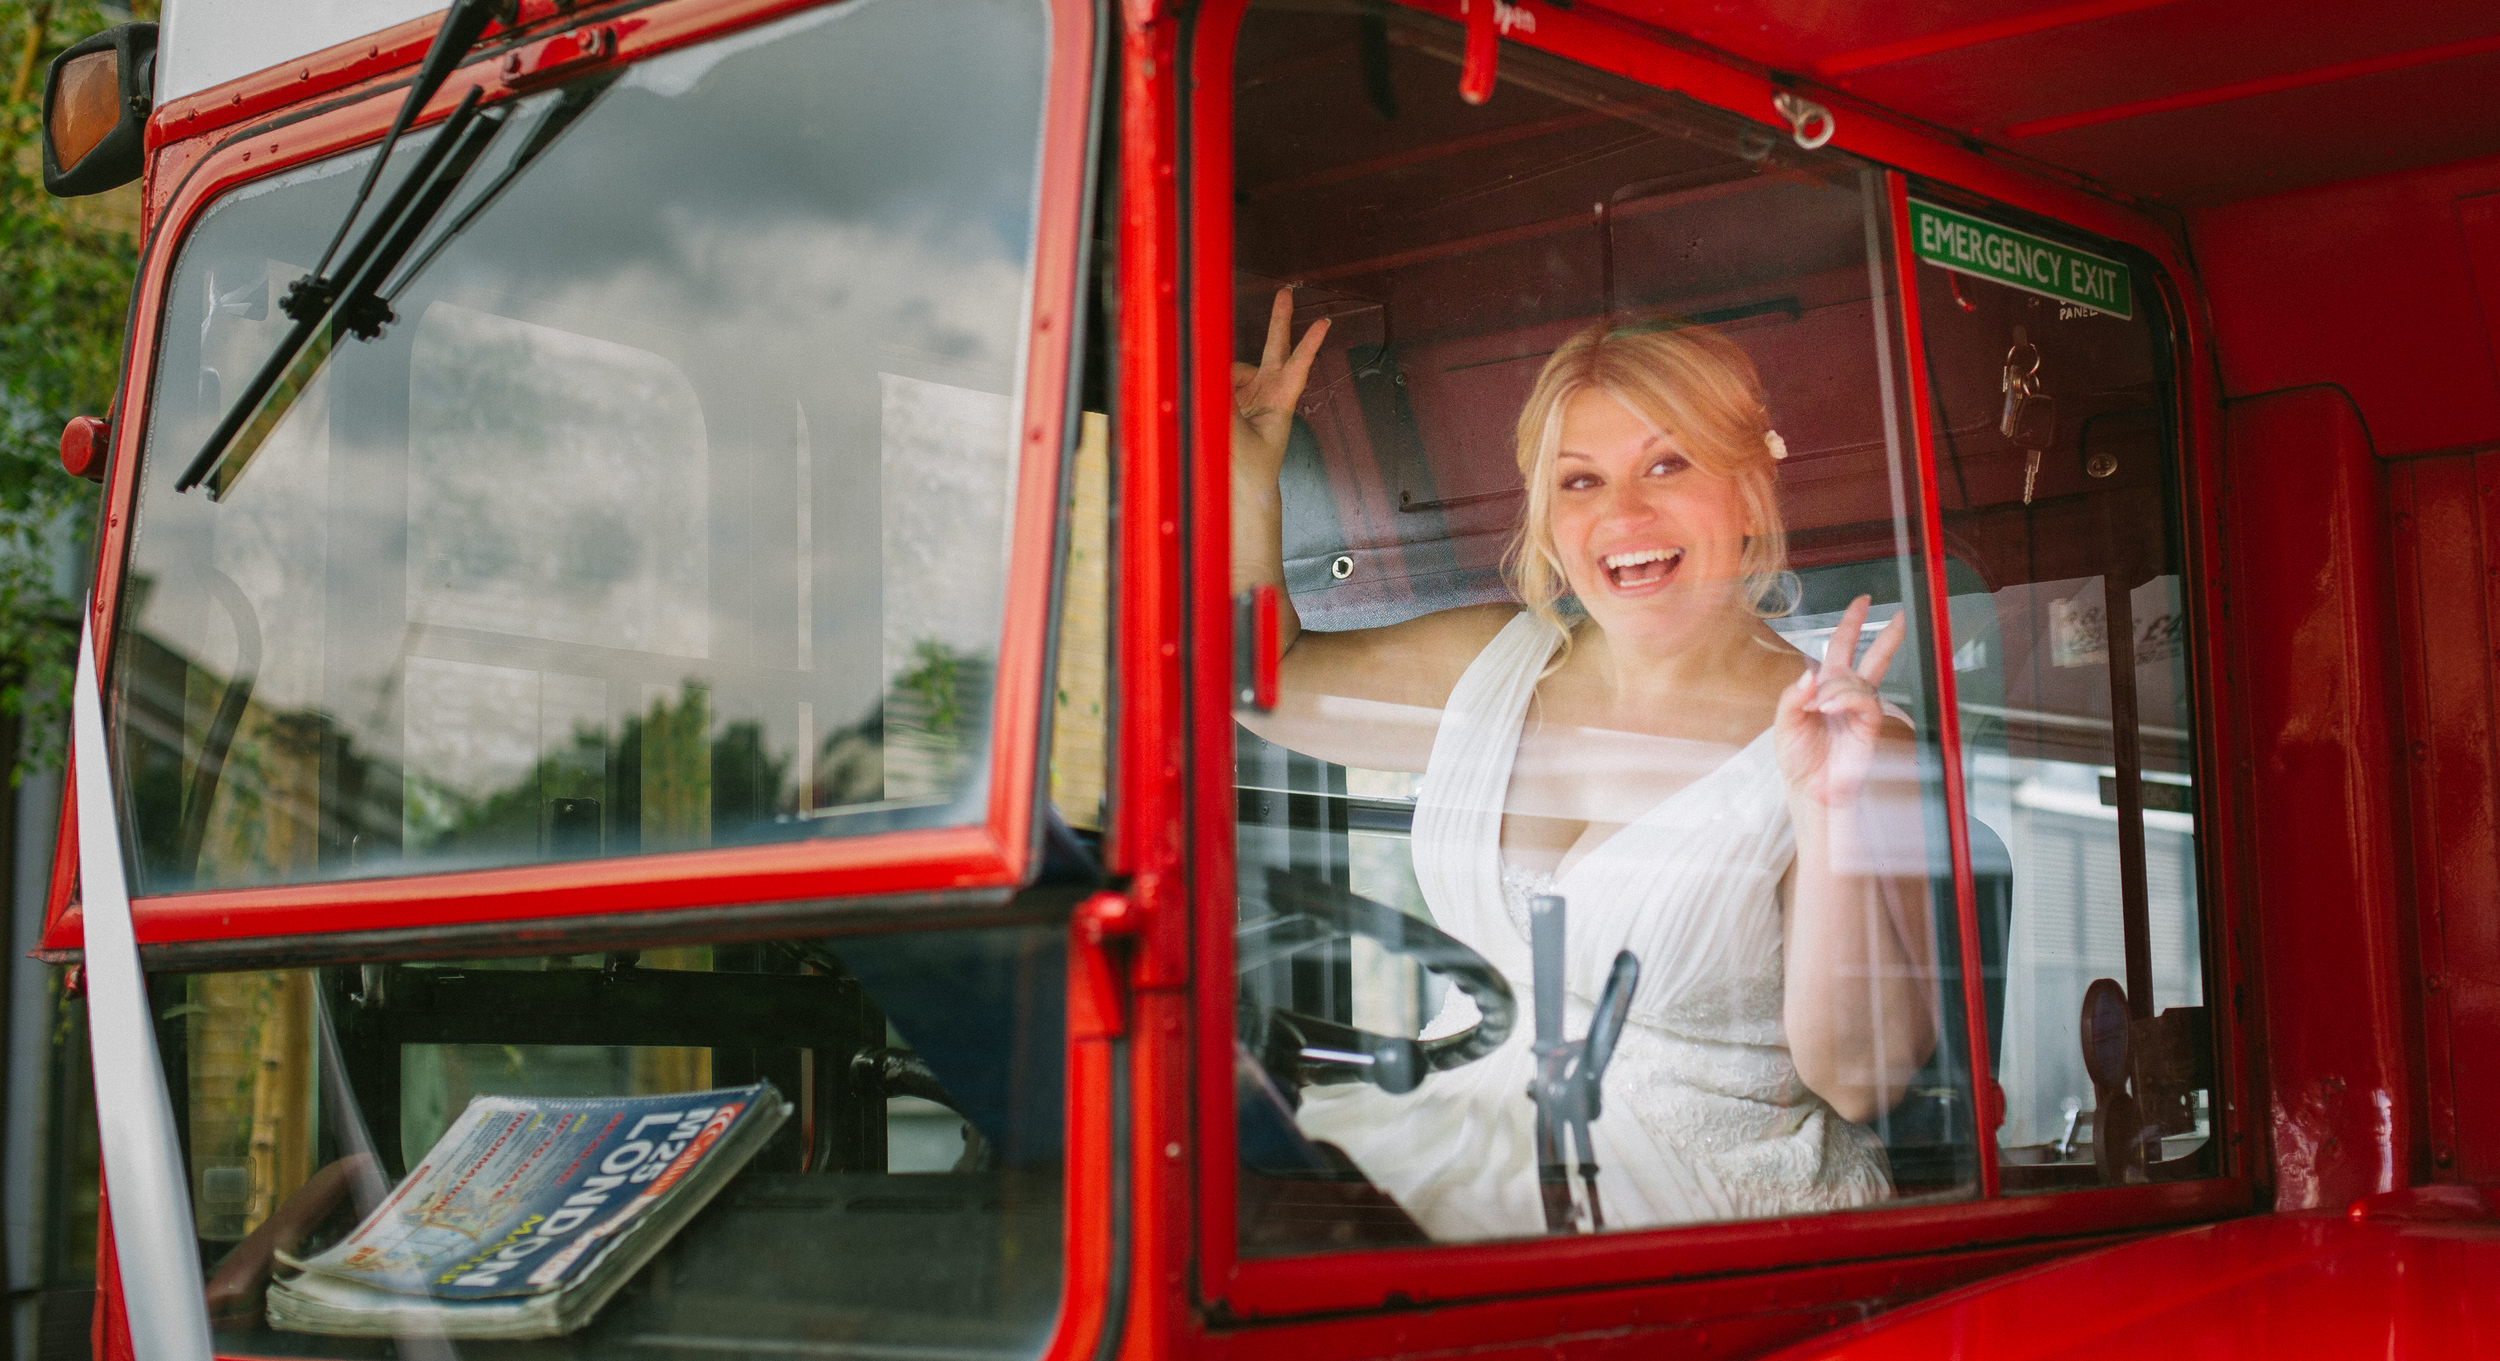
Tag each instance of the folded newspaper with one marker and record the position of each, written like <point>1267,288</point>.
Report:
<point>528,1214</point>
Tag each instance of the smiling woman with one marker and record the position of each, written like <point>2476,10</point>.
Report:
<point>1654,672</point>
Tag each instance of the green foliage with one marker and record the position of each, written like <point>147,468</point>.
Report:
<point>65,279</point>
<point>942,689</point>
<point>38,647</point>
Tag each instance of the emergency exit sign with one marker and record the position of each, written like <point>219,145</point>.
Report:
<point>2034,264</point>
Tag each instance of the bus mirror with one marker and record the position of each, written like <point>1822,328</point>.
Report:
<point>96,100</point>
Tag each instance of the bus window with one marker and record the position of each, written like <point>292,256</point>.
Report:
<point>670,511</point>
<point>2070,646</point>
<point>1597,531</point>
<point>912,1191</point>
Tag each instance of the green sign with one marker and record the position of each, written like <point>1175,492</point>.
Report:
<point>2034,264</point>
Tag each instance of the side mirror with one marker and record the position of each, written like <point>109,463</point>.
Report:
<point>96,100</point>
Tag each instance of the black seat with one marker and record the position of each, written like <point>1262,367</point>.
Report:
<point>1931,1136</point>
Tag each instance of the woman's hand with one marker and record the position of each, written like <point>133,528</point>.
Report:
<point>1829,721</point>
<point>1264,396</point>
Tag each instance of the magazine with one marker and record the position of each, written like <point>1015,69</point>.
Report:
<point>528,1214</point>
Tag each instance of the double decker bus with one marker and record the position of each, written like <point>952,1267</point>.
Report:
<point>974,565</point>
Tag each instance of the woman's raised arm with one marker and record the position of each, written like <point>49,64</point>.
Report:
<point>1365,697</point>
<point>1860,1004</point>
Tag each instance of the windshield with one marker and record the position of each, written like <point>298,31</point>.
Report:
<point>670,510</point>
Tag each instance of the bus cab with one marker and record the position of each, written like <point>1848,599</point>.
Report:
<point>1348,676</point>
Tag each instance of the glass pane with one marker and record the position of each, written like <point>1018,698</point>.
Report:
<point>1552,578</point>
<point>671,510</point>
<point>906,1203</point>
<point>2081,773</point>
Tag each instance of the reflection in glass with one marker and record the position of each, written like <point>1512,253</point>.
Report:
<point>669,512</point>
<point>909,1203</point>
<point>1553,579</point>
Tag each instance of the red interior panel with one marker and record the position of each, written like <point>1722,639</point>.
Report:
<point>2305,588</point>
<point>2446,513</point>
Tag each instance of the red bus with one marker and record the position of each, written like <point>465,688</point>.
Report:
<point>1318,676</point>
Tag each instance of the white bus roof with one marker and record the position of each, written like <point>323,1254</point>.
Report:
<point>209,42</point>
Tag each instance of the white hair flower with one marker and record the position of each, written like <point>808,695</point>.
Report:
<point>1778,447</point>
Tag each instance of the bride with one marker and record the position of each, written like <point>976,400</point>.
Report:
<point>1633,736</point>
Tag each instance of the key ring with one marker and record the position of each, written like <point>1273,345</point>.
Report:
<point>2018,378</point>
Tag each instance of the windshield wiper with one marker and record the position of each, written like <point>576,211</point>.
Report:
<point>305,350</point>
<point>320,303</point>
<point>571,104</point>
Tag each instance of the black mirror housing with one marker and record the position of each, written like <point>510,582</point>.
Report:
<point>88,145</point>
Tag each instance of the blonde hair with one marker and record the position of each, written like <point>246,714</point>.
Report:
<point>1686,381</point>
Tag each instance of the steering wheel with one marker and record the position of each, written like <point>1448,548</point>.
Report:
<point>1300,1050</point>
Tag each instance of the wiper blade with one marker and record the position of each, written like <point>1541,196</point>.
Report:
<point>302,353</point>
<point>310,299</point>
<point>571,104</point>
<point>462,24</point>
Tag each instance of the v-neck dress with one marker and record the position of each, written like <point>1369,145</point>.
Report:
<point>1704,1116</point>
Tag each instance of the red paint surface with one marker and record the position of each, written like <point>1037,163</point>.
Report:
<point>1733,1316</point>
<point>2446,519</point>
<point>84,442</point>
<point>2367,286</point>
<point>2192,103</point>
<point>2280,1287</point>
<point>2311,634</point>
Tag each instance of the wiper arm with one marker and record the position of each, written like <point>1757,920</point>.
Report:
<point>571,104</point>
<point>301,355</point>
<point>309,296</point>
<point>310,299</point>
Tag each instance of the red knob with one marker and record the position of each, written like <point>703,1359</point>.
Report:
<point>84,442</point>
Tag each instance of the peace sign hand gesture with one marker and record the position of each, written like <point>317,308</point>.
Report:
<point>1264,394</point>
<point>1829,721</point>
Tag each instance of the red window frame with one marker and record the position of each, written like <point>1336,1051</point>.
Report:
<point>1354,1280</point>
<point>206,147</point>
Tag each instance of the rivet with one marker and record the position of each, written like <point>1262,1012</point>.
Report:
<point>1342,567</point>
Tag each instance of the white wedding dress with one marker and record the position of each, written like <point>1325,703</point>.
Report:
<point>1704,1117</point>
